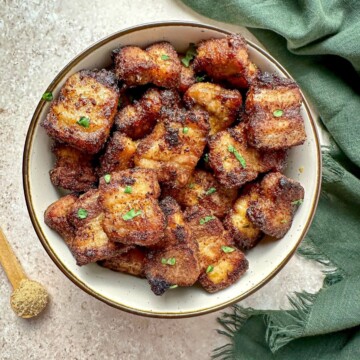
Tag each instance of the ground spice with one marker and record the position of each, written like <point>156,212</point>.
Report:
<point>29,299</point>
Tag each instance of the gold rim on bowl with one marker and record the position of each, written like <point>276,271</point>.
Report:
<point>38,227</point>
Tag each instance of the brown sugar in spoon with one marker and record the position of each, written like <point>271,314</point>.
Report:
<point>29,297</point>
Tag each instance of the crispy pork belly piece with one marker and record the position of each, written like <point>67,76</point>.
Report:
<point>73,169</point>
<point>118,155</point>
<point>235,162</point>
<point>56,216</point>
<point>90,243</point>
<point>187,78</point>
<point>137,120</point>
<point>84,112</point>
<point>174,147</point>
<point>132,212</point>
<point>221,263</point>
<point>172,266</point>
<point>223,105</point>
<point>226,59</point>
<point>175,261</point>
<point>245,234</point>
<point>158,64</point>
<point>134,66</point>
<point>130,262</point>
<point>168,69</point>
<point>204,190</point>
<point>274,209</point>
<point>273,111</point>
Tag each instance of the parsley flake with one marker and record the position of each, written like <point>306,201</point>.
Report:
<point>190,54</point>
<point>128,190</point>
<point>165,57</point>
<point>191,186</point>
<point>206,219</point>
<point>84,122</point>
<point>47,96</point>
<point>185,130</point>
<point>283,221</point>
<point>210,191</point>
<point>278,113</point>
<point>237,155</point>
<point>209,269</point>
<point>170,261</point>
<point>206,158</point>
<point>82,213</point>
<point>227,249</point>
<point>200,78</point>
<point>297,202</point>
<point>107,178</point>
<point>173,286</point>
<point>131,214</point>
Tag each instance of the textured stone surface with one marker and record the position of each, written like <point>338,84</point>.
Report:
<point>37,38</point>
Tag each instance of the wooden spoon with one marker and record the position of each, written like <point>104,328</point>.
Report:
<point>29,297</point>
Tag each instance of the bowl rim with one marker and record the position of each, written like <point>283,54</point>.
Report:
<point>38,228</point>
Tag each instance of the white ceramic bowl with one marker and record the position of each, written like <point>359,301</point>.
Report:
<point>127,292</point>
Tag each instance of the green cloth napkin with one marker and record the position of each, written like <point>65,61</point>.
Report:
<point>318,41</point>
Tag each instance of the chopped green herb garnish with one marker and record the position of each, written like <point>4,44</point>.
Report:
<point>278,113</point>
<point>84,122</point>
<point>191,186</point>
<point>190,54</point>
<point>173,286</point>
<point>206,158</point>
<point>227,249</point>
<point>107,178</point>
<point>209,269</point>
<point>131,214</point>
<point>82,213</point>
<point>119,103</point>
<point>170,261</point>
<point>165,57</point>
<point>206,219</point>
<point>210,191</point>
<point>283,221</point>
<point>47,96</point>
<point>297,202</point>
<point>128,190</point>
<point>237,155</point>
<point>200,78</point>
<point>185,130</point>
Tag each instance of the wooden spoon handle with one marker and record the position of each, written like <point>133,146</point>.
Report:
<point>10,263</point>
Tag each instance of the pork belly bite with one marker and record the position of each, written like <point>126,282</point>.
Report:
<point>222,105</point>
<point>130,262</point>
<point>167,72</point>
<point>73,169</point>
<point>137,120</point>
<point>118,155</point>
<point>56,216</point>
<point>226,59</point>
<point>235,162</point>
<point>90,243</point>
<point>134,66</point>
<point>221,263</point>
<point>175,261</point>
<point>84,112</point>
<point>273,111</point>
<point>245,234</point>
<point>158,64</point>
<point>132,212</point>
<point>278,199</point>
<point>174,147</point>
<point>204,190</point>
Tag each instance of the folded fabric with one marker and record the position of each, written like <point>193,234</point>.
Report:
<point>318,43</point>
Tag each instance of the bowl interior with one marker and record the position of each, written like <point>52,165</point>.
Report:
<point>130,293</point>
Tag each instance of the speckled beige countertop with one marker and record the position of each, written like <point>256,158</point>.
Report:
<point>37,38</point>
